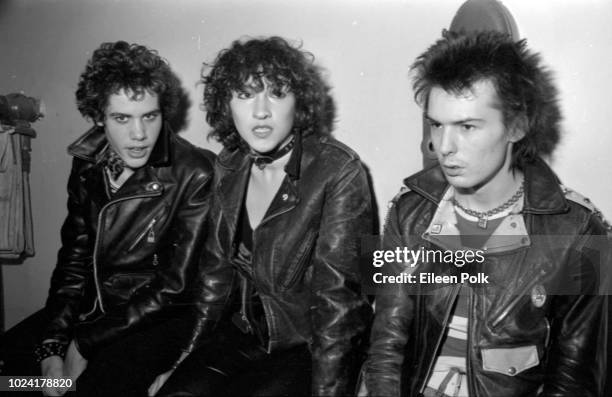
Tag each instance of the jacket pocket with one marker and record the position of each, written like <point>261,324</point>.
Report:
<point>510,361</point>
<point>148,232</point>
<point>123,285</point>
<point>152,232</point>
<point>300,260</point>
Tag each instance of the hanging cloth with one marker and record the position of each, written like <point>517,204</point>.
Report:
<point>16,231</point>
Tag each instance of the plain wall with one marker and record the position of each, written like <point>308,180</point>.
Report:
<point>366,47</point>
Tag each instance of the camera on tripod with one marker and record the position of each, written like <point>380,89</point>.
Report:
<point>17,111</point>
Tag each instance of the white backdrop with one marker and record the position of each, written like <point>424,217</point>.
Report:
<point>366,47</point>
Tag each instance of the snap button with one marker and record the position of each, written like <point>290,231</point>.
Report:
<point>538,295</point>
<point>512,370</point>
<point>153,186</point>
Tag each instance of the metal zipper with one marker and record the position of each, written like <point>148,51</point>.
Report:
<point>299,267</point>
<point>83,317</point>
<point>148,231</point>
<point>468,362</point>
<point>272,216</point>
<point>98,234</point>
<point>444,325</point>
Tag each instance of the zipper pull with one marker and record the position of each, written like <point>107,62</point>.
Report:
<point>151,236</point>
<point>151,233</point>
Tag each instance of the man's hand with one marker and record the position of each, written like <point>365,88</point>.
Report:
<point>159,382</point>
<point>52,367</point>
<point>74,364</point>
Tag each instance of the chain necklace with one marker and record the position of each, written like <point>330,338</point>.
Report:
<point>483,217</point>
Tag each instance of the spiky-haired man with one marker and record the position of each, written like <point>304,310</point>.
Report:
<point>535,323</point>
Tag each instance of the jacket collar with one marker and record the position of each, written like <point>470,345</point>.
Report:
<point>90,146</point>
<point>510,234</point>
<point>543,194</point>
<point>233,182</point>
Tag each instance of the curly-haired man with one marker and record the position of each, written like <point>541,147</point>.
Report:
<point>527,316</point>
<point>138,196</point>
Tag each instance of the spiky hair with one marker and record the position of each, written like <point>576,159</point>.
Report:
<point>525,89</point>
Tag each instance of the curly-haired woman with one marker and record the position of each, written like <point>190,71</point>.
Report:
<point>281,311</point>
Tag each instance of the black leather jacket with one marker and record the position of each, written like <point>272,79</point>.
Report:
<point>522,341</point>
<point>305,257</point>
<point>125,259</point>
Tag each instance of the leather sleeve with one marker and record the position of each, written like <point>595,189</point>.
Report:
<point>576,363</point>
<point>215,282</point>
<point>393,313</point>
<point>170,280</point>
<point>340,312</point>
<point>74,262</point>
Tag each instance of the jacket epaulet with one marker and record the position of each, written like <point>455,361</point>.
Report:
<point>403,190</point>
<point>578,198</point>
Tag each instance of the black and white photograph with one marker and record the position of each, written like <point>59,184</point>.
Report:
<point>402,198</point>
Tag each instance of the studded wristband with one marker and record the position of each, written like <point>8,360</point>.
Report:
<point>48,349</point>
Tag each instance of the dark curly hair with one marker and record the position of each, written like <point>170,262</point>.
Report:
<point>119,65</point>
<point>281,64</point>
<point>525,88</point>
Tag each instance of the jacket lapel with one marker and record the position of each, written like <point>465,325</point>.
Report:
<point>144,182</point>
<point>285,200</point>
<point>233,179</point>
<point>543,194</point>
<point>235,170</point>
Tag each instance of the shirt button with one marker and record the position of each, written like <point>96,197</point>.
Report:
<point>285,196</point>
<point>512,370</point>
<point>513,224</point>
